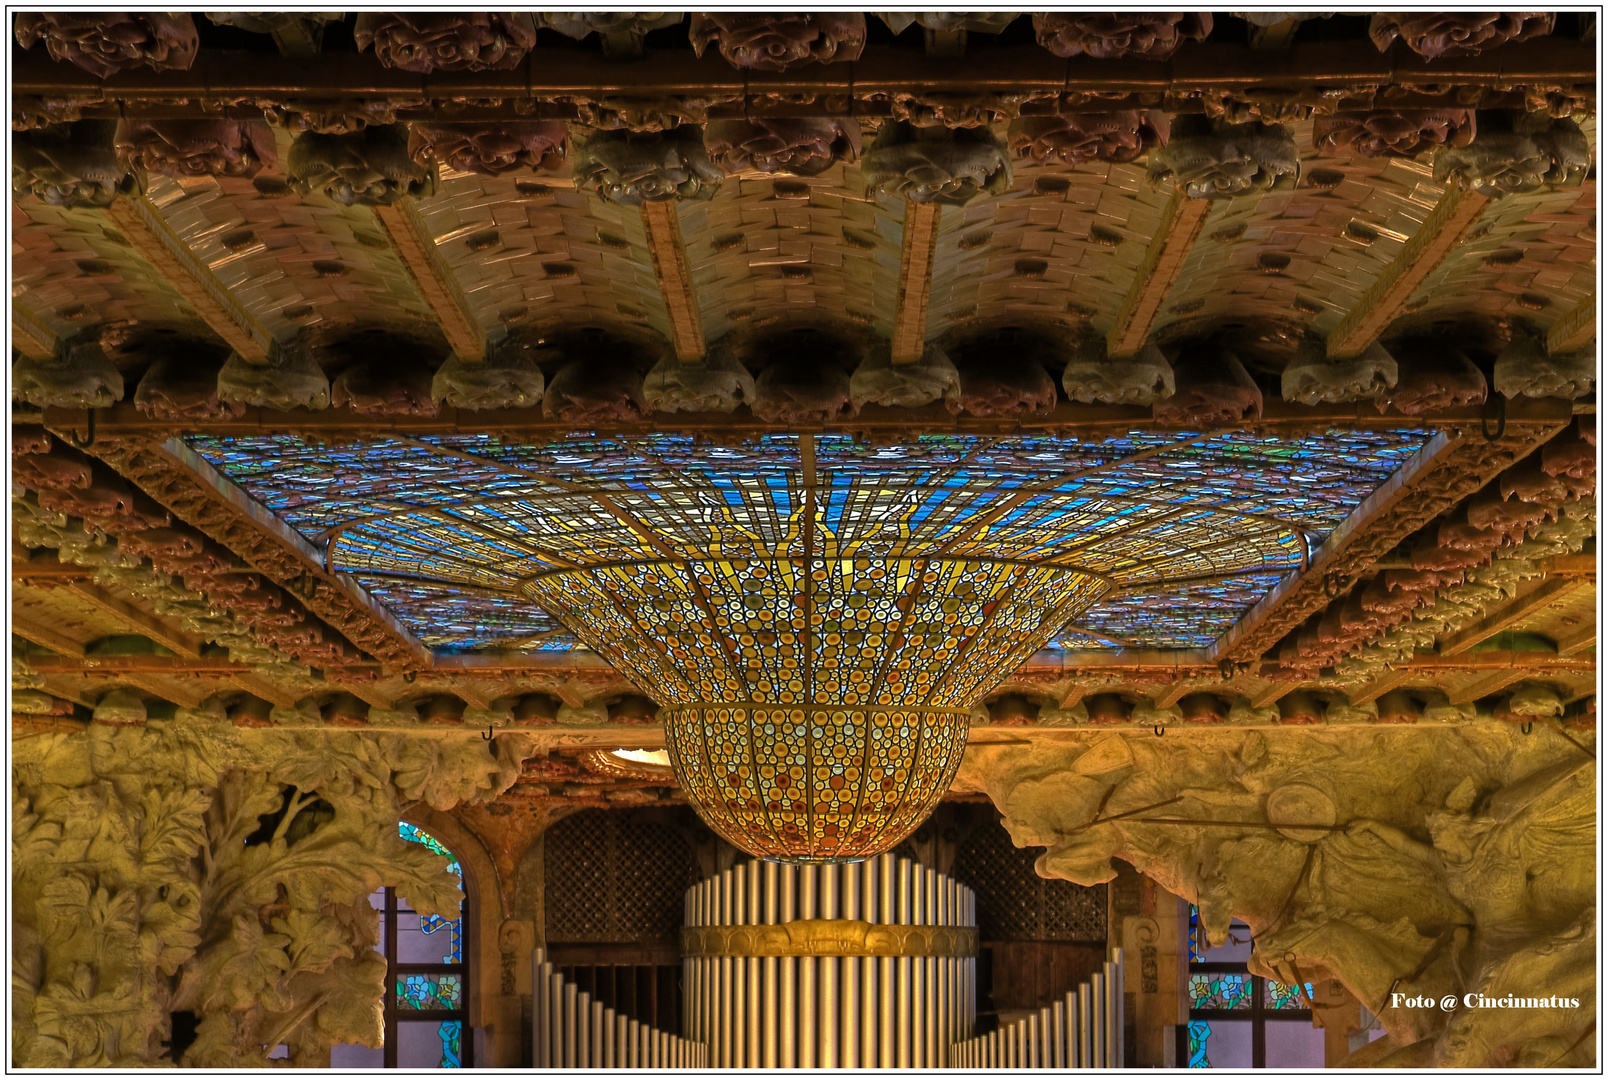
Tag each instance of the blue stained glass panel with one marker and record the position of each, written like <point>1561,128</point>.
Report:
<point>451,532</point>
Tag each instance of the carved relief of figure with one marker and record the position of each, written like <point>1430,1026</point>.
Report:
<point>1467,865</point>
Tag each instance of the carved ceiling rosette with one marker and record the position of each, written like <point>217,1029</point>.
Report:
<point>1075,137</point>
<point>106,42</point>
<point>1499,162</point>
<point>368,168</point>
<point>197,147</point>
<point>71,165</point>
<point>796,146</point>
<point>936,165</point>
<point>422,42</point>
<point>631,168</point>
<point>1392,132</point>
<point>1213,160</point>
<point>1143,35</point>
<point>777,40</point>
<point>1457,33</point>
<point>490,149</point>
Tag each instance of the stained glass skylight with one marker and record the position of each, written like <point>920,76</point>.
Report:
<point>1191,531</point>
<point>816,617</point>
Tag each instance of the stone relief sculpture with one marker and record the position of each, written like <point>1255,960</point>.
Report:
<point>1463,33</point>
<point>1427,863</point>
<point>778,40</point>
<point>71,165</point>
<point>104,43</point>
<point>422,42</point>
<point>630,169</point>
<point>197,147</point>
<point>1212,159</point>
<point>194,869</point>
<point>946,166</point>
<point>370,167</point>
<point>1144,35</point>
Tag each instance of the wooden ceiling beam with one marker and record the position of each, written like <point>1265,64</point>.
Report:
<point>1181,222</point>
<point>1441,231</point>
<point>142,224</point>
<point>1515,611</point>
<point>1381,686</point>
<point>180,692</point>
<point>1486,685</point>
<point>124,421</point>
<point>914,295</point>
<point>1577,641</point>
<point>433,277</point>
<point>140,622</point>
<point>272,693</point>
<point>880,70</point>
<point>50,638</point>
<point>30,335</point>
<point>1576,329</point>
<point>662,224</point>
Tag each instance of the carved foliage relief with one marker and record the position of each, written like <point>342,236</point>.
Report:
<point>194,867</point>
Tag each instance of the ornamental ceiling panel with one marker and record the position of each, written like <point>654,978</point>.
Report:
<point>1062,243</point>
<point>521,248</point>
<point>292,264</point>
<point>769,248</point>
<point>1304,256</point>
<point>1156,539</point>
<point>74,270</point>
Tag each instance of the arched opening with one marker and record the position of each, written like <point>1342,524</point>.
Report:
<point>428,980</point>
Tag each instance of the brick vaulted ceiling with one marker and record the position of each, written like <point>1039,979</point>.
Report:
<point>238,244</point>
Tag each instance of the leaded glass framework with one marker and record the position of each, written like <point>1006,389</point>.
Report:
<point>818,616</point>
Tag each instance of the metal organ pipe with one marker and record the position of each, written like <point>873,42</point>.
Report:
<point>834,991</point>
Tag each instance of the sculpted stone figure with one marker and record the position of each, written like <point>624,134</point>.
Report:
<point>1392,132</point>
<point>104,43</point>
<point>370,167</point>
<point>1457,33</point>
<point>491,149</point>
<point>631,168</point>
<point>777,40</point>
<point>422,42</point>
<point>1522,158</point>
<point>801,146</point>
<point>1074,137</point>
<point>197,147</point>
<point>1464,866</point>
<point>71,165</point>
<point>1216,160</point>
<point>936,165</point>
<point>1145,35</point>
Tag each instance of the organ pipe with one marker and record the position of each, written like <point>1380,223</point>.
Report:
<point>868,965</point>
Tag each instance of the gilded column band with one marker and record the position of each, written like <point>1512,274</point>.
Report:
<point>829,937</point>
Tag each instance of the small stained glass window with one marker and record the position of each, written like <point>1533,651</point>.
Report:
<point>426,1005</point>
<point>1238,1020</point>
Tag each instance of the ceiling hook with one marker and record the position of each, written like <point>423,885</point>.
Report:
<point>1527,727</point>
<point>89,438</point>
<point>409,676</point>
<point>1501,421</point>
<point>488,735</point>
<point>1159,729</point>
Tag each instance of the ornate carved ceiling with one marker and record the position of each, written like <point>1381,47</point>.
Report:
<point>1053,225</point>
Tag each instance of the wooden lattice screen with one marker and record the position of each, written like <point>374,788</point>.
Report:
<point>1014,903</point>
<point>612,879</point>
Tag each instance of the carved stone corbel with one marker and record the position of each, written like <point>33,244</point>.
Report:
<point>1213,160</point>
<point>778,40</point>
